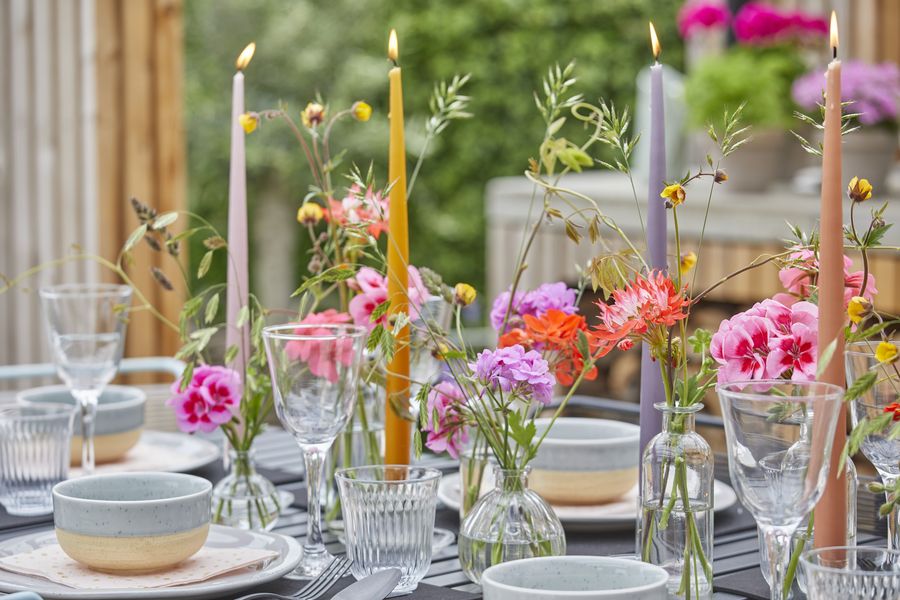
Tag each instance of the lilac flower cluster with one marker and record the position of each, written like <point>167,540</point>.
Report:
<point>537,302</point>
<point>513,370</point>
<point>873,89</point>
<point>698,15</point>
<point>760,23</point>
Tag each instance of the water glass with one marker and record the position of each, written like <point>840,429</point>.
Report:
<point>34,456</point>
<point>852,572</point>
<point>388,519</point>
<point>779,436</point>
<point>86,323</point>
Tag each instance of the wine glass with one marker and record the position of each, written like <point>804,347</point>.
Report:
<point>315,373</point>
<point>86,323</point>
<point>881,450</point>
<point>779,436</point>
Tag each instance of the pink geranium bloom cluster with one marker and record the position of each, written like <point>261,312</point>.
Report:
<point>760,23</point>
<point>698,15</point>
<point>444,424</point>
<point>536,303</point>
<point>768,341</point>
<point>322,356</point>
<point>515,371</point>
<point>369,210</point>
<point>211,399</point>
<point>872,89</point>
<point>373,291</point>
<point>799,277</point>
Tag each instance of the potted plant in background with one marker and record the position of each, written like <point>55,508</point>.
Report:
<point>872,92</point>
<point>703,24</point>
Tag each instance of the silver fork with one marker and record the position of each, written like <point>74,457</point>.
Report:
<point>316,588</point>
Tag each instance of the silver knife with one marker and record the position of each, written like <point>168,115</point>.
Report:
<point>374,587</point>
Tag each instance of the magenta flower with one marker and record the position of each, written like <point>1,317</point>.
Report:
<point>322,355</point>
<point>698,15</point>
<point>547,296</point>
<point>759,23</point>
<point>873,90</point>
<point>513,370</point>
<point>211,399</point>
<point>740,347</point>
<point>372,287</point>
<point>798,278</point>
<point>446,430</point>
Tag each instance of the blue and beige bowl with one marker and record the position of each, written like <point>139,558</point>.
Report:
<point>117,426</point>
<point>585,461</point>
<point>131,523</point>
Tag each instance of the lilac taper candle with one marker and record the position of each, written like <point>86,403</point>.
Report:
<point>657,242</point>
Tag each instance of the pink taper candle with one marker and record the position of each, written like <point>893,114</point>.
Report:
<point>831,512</point>
<point>238,278</point>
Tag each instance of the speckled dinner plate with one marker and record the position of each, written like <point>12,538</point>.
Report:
<point>288,549</point>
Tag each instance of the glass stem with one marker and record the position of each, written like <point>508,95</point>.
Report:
<point>314,458</point>
<point>778,546</point>
<point>893,543</point>
<point>87,403</point>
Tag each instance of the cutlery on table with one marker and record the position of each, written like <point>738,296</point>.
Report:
<point>376,586</point>
<point>315,589</point>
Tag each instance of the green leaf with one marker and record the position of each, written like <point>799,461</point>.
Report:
<point>825,358</point>
<point>192,306</point>
<point>380,311</point>
<point>575,158</point>
<point>205,263</point>
<point>214,242</point>
<point>186,376</point>
<point>136,236</point>
<point>231,353</point>
<point>164,220</point>
<point>212,307</point>
<point>861,385</point>
<point>243,316</point>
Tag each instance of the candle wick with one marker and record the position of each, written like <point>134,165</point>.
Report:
<point>834,52</point>
<point>394,62</point>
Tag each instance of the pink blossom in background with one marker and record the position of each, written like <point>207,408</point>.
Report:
<point>761,23</point>
<point>372,287</point>
<point>446,432</point>
<point>698,15</point>
<point>322,355</point>
<point>799,276</point>
<point>211,399</point>
<point>369,210</point>
<point>874,90</point>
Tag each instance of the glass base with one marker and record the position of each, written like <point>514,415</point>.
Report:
<point>29,504</point>
<point>311,565</point>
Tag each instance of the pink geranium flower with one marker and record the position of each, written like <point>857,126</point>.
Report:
<point>372,287</point>
<point>446,431</point>
<point>698,15</point>
<point>799,276</point>
<point>211,399</point>
<point>322,355</point>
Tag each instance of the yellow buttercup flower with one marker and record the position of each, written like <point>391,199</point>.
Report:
<point>248,121</point>
<point>464,294</point>
<point>310,213</point>
<point>361,111</point>
<point>674,194</point>
<point>859,190</point>
<point>859,309</point>
<point>687,262</point>
<point>313,114</point>
<point>886,352</point>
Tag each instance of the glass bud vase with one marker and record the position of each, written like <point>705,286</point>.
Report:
<point>244,498</point>
<point>509,523</point>
<point>676,525</point>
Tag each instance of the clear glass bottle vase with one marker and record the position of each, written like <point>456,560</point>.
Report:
<point>244,498</point>
<point>509,523</point>
<point>676,525</point>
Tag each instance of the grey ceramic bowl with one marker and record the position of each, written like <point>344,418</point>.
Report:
<point>132,522</point>
<point>585,461</point>
<point>117,428</point>
<point>574,578</point>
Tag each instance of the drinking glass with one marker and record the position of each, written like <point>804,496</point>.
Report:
<point>881,450</point>
<point>388,520</point>
<point>424,364</point>
<point>852,572</point>
<point>34,455</point>
<point>779,436</point>
<point>315,373</point>
<point>86,323</point>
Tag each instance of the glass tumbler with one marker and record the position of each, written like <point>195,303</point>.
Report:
<point>34,456</point>
<point>388,519</point>
<point>852,572</point>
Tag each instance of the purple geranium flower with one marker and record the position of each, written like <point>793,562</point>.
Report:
<point>513,370</point>
<point>872,89</point>
<point>536,303</point>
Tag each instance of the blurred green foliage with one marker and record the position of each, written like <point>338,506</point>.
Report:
<point>337,49</point>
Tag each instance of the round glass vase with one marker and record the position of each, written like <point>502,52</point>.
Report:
<point>509,523</point>
<point>244,498</point>
<point>676,526</point>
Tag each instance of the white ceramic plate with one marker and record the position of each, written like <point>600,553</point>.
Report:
<point>288,549</point>
<point>610,516</point>
<point>162,451</point>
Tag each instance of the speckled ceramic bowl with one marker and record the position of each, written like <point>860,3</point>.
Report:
<point>574,577</point>
<point>132,522</point>
<point>117,428</point>
<point>585,461</point>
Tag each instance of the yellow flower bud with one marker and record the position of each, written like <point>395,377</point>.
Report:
<point>464,294</point>
<point>310,213</point>
<point>249,121</point>
<point>859,190</point>
<point>313,114</point>
<point>687,262</point>
<point>674,194</point>
<point>859,309</point>
<point>361,111</point>
<point>886,352</point>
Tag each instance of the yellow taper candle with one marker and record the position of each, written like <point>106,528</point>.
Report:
<point>397,429</point>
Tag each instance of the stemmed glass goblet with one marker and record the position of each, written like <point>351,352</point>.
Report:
<point>86,323</point>
<point>779,436</point>
<point>315,373</point>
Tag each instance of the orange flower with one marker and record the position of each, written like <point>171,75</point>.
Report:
<point>557,333</point>
<point>555,327</point>
<point>515,336</point>
<point>893,407</point>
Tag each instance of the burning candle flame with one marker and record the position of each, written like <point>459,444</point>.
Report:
<point>834,32</point>
<point>244,58</point>
<point>393,52</point>
<point>654,41</point>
